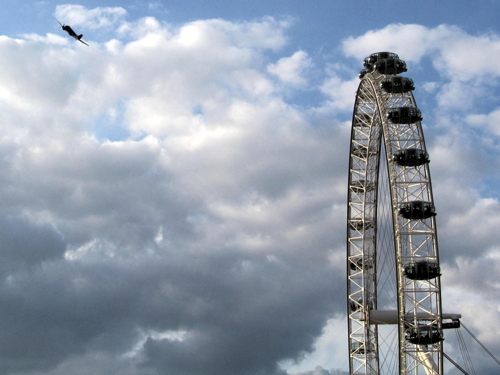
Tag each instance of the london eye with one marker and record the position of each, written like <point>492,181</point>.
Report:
<point>395,320</point>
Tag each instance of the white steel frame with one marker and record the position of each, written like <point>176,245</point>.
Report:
<point>418,301</point>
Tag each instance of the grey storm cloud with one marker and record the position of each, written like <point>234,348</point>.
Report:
<point>196,242</point>
<point>233,309</point>
<point>25,244</point>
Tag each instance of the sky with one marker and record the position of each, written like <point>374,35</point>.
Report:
<point>173,196</point>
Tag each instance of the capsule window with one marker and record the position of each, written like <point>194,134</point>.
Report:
<point>417,210</point>
<point>404,115</point>
<point>422,270</point>
<point>411,157</point>
<point>424,335</point>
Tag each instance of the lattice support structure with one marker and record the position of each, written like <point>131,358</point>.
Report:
<point>386,128</point>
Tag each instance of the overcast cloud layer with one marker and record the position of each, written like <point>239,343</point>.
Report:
<point>168,206</point>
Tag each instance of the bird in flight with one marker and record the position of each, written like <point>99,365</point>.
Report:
<point>70,31</point>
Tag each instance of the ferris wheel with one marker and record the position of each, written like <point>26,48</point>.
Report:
<point>395,321</point>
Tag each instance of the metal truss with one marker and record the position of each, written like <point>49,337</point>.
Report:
<point>417,306</point>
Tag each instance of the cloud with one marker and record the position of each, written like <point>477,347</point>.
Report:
<point>486,121</point>
<point>289,69</point>
<point>158,7</point>
<point>321,371</point>
<point>455,53</point>
<point>26,244</point>
<point>411,41</point>
<point>95,18</point>
<point>341,94</point>
<point>196,238</point>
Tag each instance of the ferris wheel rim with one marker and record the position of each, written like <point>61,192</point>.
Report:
<point>362,221</point>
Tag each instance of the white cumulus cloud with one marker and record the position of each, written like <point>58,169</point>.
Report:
<point>291,69</point>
